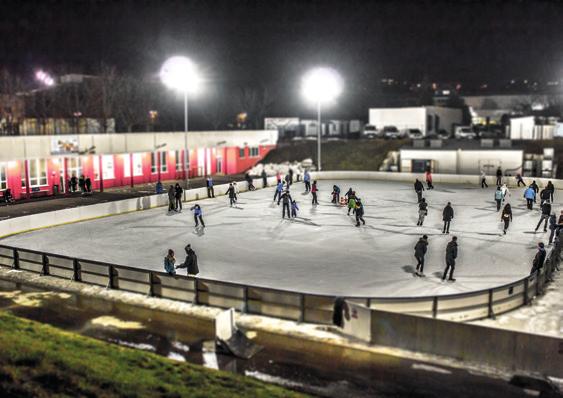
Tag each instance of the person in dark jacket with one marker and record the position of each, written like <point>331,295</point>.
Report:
<point>73,183</point>
<point>335,194</point>
<point>314,191</point>
<point>545,212</point>
<point>171,198</point>
<point>191,261</point>
<point>506,217</point>
<point>232,195</point>
<point>249,182</point>
<point>178,191</point>
<point>198,214</point>
<point>359,212</point>
<point>264,178</point>
<point>539,259</point>
<point>418,188</point>
<point>520,180</point>
<point>422,211</point>
<point>419,253</point>
<point>535,187</point>
<point>551,189</point>
<point>88,184</point>
<point>544,196</point>
<point>499,176</point>
<point>447,217</point>
<point>286,201</point>
<point>290,173</point>
<point>451,255</point>
<point>553,227</point>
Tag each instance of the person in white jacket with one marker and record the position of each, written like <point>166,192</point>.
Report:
<point>505,192</point>
<point>484,179</point>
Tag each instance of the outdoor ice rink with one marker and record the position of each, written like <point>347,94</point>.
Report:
<point>322,251</point>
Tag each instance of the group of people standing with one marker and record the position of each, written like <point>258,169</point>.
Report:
<point>175,193</point>
<point>84,183</point>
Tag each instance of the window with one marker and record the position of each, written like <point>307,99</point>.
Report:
<point>154,162</point>
<point>241,153</point>
<point>137,165</point>
<point>74,167</point>
<point>107,167</point>
<point>179,161</point>
<point>3,177</point>
<point>37,173</point>
<point>254,152</point>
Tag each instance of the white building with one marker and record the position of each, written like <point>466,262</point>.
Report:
<point>428,119</point>
<point>461,157</point>
<point>525,128</point>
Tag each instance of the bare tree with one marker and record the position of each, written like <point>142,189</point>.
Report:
<point>256,102</point>
<point>135,100</point>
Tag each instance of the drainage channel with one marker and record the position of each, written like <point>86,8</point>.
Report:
<point>172,336</point>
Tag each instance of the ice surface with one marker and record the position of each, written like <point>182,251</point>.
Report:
<point>321,251</point>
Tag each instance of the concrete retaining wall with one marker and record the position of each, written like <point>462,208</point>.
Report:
<point>499,348</point>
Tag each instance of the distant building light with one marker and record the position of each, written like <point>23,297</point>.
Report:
<point>446,92</point>
<point>512,82</point>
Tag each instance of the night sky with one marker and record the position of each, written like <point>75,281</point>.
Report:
<point>273,42</point>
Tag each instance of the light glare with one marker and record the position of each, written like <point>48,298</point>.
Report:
<point>179,73</point>
<point>321,85</point>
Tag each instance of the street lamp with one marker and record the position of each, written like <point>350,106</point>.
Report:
<point>44,78</point>
<point>321,86</point>
<point>180,74</point>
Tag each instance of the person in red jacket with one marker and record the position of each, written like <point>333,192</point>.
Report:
<point>428,176</point>
<point>314,191</point>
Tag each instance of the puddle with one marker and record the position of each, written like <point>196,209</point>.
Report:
<point>174,337</point>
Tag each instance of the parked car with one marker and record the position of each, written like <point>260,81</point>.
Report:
<point>370,131</point>
<point>443,134</point>
<point>392,132</point>
<point>465,132</point>
<point>414,134</point>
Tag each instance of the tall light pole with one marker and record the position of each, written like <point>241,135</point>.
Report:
<point>180,74</point>
<point>321,86</point>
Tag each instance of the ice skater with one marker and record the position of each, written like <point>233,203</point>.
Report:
<point>544,196</point>
<point>418,188</point>
<point>198,215</point>
<point>428,177</point>
<point>520,180</point>
<point>499,176</point>
<point>506,217</point>
<point>551,188</point>
<point>178,191</point>
<point>232,195</point>
<point>264,178</point>
<point>294,209</point>
<point>290,173</point>
<point>530,196</point>
<point>484,179</point>
<point>447,217</point>
<point>169,262</point>
<point>539,259</point>
<point>249,182</point>
<point>352,202</point>
<point>545,213</point>
<point>422,211</point>
<point>307,181</point>
<point>498,197</point>
<point>335,194</point>
<point>279,190</point>
<point>553,227</point>
<point>451,255</point>
<point>237,191</point>
<point>286,200</point>
<point>314,191</point>
<point>359,212</point>
<point>419,253</point>
<point>505,192</point>
<point>535,187</point>
<point>210,189</point>
<point>190,262</point>
<point>171,198</point>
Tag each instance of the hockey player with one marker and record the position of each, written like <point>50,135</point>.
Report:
<point>419,253</point>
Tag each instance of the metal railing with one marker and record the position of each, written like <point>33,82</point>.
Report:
<point>286,304</point>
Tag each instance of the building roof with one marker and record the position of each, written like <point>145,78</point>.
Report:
<point>466,145</point>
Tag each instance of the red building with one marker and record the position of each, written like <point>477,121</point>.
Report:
<point>42,165</point>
